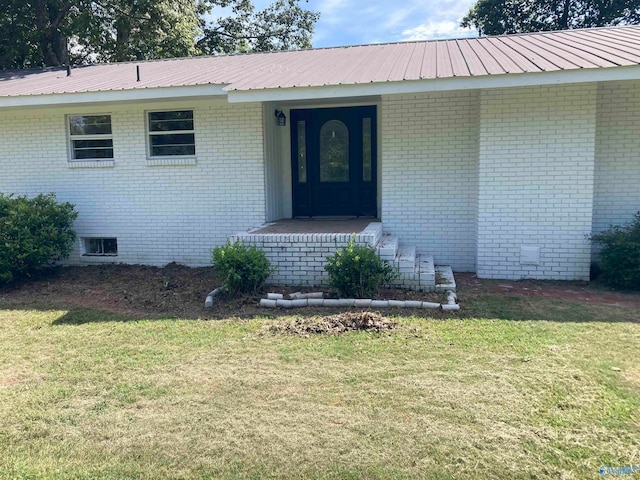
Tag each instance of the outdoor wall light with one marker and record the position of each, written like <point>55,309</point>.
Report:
<point>281,118</point>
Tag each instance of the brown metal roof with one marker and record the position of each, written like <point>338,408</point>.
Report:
<point>365,64</point>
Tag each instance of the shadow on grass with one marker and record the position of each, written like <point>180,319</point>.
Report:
<point>87,315</point>
<point>496,307</point>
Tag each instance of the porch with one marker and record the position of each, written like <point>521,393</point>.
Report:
<point>297,249</point>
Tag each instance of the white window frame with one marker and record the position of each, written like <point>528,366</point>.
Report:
<point>84,240</point>
<point>101,136</point>
<point>150,134</point>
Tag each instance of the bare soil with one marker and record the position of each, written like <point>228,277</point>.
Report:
<point>176,291</point>
<point>582,292</point>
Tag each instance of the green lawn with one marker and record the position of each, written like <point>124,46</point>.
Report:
<point>90,394</point>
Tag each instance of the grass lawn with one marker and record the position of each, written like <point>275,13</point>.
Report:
<point>513,386</point>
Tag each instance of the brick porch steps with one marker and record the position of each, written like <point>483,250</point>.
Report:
<point>387,247</point>
<point>417,272</point>
<point>299,258</point>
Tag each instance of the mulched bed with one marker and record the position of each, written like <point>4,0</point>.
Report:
<point>176,291</point>
<point>335,324</point>
<point>138,291</point>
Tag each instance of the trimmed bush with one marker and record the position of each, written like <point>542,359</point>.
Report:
<point>34,232</point>
<point>244,268</point>
<point>620,255</point>
<point>356,271</point>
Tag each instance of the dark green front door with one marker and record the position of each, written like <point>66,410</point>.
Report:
<point>333,153</point>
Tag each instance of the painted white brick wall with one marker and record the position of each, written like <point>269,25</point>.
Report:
<point>159,214</point>
<point>429,163</point>
<point>617,170</point>
<point>537,149</point>
<point>300,259</point>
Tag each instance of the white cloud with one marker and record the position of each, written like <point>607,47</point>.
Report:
<point>441,29</point>
<point>352,22</point>
<point>397,17</point>
<point>332,11</point>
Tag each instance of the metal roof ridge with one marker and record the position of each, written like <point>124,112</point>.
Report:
<point>336,47</point>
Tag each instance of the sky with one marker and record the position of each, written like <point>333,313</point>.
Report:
<point>357,22</point>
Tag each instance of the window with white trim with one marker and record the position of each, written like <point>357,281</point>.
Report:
<point>171,133</point>
<point>100,247</point>
<point>90,137</point>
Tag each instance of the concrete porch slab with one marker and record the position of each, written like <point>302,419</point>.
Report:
<point>315,225</point>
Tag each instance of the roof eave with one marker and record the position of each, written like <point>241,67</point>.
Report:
<point>509,80</point>
<point>110,96</point>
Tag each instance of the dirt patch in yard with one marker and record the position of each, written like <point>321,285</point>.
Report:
<point>133,290</point>
<point>173,291</point>
<point>176,291</point>
<point>583,292</point>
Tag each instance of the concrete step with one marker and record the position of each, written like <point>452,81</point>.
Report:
<point>444,279</point>
<point>426,270</point>
<point>374,233</point>
<point>405,260</point>
<point>388,247</point>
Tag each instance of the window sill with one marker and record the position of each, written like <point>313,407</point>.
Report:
<point>91,164</point>
<point>171,161</point>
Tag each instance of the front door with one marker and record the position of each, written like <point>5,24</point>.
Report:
<point>333,153</point>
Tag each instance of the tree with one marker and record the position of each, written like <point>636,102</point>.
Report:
<point>282,26</point>
<point>121,30</point>
<point>33,33</point>
<point>56,32</point>
<point>494,17</point>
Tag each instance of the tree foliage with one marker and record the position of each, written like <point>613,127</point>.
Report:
<point>495,17</point>
<point>55,32</point>
<point>284,25</point>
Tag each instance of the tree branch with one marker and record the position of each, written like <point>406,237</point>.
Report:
<point>121,11</point>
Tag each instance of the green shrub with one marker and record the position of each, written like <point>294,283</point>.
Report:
<point>357,272</point>
<point>244,268</point>
<point>620,255</point>
<point>34,232</point>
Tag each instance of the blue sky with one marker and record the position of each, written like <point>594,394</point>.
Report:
<point>352,22</point>
<point>355,22</point>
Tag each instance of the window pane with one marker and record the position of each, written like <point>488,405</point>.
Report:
<point>173,150</point>
<point>92,149</point>
<point>94,246</point>
<point>171,115</point>
<point>173,139</point>
<point>90,125</point>
<point>366,149</point>
<point>302,152</point>
<point>334,152</point>
<point>110,246</point>
<point>80,144</point>
<point>170,121</point>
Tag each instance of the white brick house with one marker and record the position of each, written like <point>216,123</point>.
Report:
<point>496,155</point>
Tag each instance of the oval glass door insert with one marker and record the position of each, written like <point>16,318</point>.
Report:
<point>334,152</point>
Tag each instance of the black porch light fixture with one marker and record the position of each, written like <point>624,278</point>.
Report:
<point>281,118</point>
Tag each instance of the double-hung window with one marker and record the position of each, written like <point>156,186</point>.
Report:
<point>171,133</point>
<point>90,137</point>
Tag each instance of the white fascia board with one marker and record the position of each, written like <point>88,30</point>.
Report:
<point>438,84</point>
<point>160,93</point>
